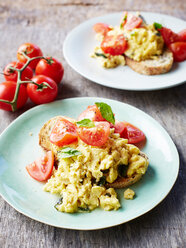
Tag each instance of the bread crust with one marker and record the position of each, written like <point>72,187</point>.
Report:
<point>163,64</point>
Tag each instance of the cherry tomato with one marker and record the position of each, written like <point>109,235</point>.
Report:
<point>7,92</point>
<point>51,68</point>
<point>179,51</point>
<point>168,35</point>
<point>95,136</point>
<point>44,95</point>
<point>63,133</point>
<point>41,169</point>
<point>132,22</point>
<point>119,127</point>
<point>123,19</point>
<point>31,51</point>
<point>132,133</point>
<point>182,35</point>
<point>92,112</point>
<point>114,45</point>
<point>11,75</point>
<point>102,28</point>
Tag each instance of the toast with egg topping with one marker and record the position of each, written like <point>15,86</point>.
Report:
<point>120,182</point>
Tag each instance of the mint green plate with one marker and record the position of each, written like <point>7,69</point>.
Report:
<point>18,148</point>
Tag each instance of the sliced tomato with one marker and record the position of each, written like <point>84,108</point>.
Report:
<point>95,136</point>
<point>182,35</point>
<point>41,169</point>
<point>114,45</point>
<point>179,51</point>
<point>63,133</point>
<point>168,35</point>
<point>132,22</point>
<point>101,28</point>
<point>119,127</point>
<point>92,112</point>
<point>132,133</point>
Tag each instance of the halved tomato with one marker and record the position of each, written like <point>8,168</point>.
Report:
<point>182,35</point>
<point>41,168</point>
<point>92,112</point>
<point>132,22</point>
<point>114,45</point>
<point>95,136</point>
<point>63,132</point>
<point>168,35</point>
<point>179,51</point>
<point>101,28</point>
<point>132,133</point>
<point>119,127</point>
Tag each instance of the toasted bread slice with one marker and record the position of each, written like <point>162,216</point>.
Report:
<point>157,66</point>
<point>44,142</point>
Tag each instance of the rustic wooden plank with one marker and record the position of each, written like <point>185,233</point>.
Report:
<point>47,23</point>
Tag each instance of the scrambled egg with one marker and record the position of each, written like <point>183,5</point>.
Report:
<point>129,194</point>
<point>143,43</point>
<point>80,180</point>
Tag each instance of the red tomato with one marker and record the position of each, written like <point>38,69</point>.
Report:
<point>11,75</point>
<point>101,28</point>
<point>31,51</point>
<point>132,22</point>
<point>119,127</point>
<point>168,35</point>
<point>123,19</point>
<point>95,136</point>
<point>114,45</point>
<point>92,112</point>
<point>132,133</point>
<point>44,95</point>
<point>51,68</point>
<point>7,92</point>
<point>179,51</point>
<point>63,133</point>
<point>182,35</point>
<point>41,169</point>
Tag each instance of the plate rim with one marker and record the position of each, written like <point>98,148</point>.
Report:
<point>99,82</point>
<point>28,112</point>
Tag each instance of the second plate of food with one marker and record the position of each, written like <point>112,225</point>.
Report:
<point>19,147</point>
<point>80,45</point>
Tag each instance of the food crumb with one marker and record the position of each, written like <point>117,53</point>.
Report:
<point>129,194</point>
<point>31,134</point>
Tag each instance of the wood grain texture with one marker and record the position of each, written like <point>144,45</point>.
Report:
<point>47,23</point>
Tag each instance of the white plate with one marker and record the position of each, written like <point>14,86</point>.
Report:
<point>80,42</point>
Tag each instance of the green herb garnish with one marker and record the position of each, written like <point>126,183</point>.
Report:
<point>133,33</point>
<point>102,181</point>
<point>124,19</point>
<point>143,19</point>
<point>106,112</point>
<point>85,123</point>
<point>157,25</point>
<point>101,55</point>
<point>60,201</point>
<point>122,170</point>
<point>68,152</point>
<point>86,209</point>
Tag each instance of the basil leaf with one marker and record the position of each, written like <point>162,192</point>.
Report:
<point>106,112</point>
<point>68,152</point>
<point>85,123</point>
<point>157,25</point>
<point>86,209</point>
<point>58,203</point>
<point>101,55</point>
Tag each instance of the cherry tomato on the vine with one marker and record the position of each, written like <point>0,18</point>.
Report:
<point>44,94</point>
<point>31,50</point>
<point>50,67</point>
<point>11,75</point>
<point>7,92</point>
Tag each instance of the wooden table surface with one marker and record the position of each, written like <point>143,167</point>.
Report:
<point>46,23</point>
